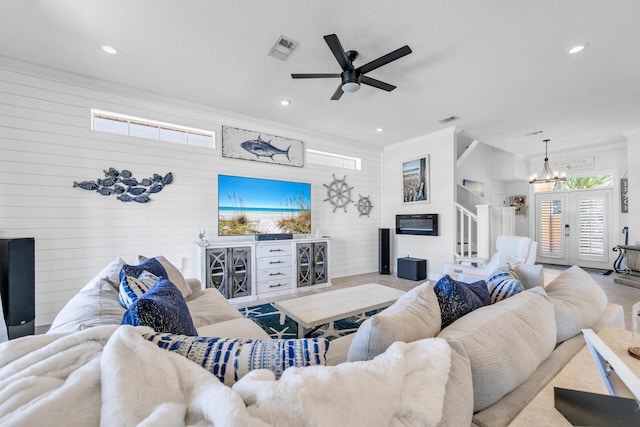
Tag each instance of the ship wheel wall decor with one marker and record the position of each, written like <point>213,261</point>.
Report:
<point>339,193</point>
<point>364,205</point>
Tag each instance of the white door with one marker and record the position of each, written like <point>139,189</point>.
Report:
<point>551,217</point>
<point>572,228</point>
<point>499,199</point>
<point>590,229</point>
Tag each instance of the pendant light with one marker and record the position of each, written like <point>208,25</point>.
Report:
<point>546,175</point>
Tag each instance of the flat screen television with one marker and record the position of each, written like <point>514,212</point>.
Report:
<point>249,206</point>
<point>420,224</point>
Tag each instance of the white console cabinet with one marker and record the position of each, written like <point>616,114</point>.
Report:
<point>248,270</point>
<point>274,268</point>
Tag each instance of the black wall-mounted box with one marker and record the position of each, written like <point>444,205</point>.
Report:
<point>420,224</point>
<point>412,268</point>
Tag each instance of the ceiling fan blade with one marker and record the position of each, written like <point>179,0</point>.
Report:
<point>338,51</point>
<point>338,93</point>
<point>314,76</point>
<point>377,83</point>
<point>385,59</point>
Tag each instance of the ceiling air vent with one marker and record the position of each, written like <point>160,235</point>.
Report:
<point>448,119</point>
<point>282,48</point>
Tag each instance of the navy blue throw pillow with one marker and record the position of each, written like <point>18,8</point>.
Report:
<point>458,298</point>
<point>162,308</point>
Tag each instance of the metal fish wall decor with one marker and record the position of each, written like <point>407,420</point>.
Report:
<point>125,187</point>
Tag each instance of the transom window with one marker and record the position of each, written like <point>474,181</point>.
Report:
<point>582,183</point>
<point>120,124</point>
<point>333,160</point>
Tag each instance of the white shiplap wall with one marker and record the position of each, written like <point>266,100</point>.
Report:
<point>46,144</point>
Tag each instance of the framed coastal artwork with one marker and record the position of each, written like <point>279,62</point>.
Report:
<point>415,180</point>
<point>261,147</point>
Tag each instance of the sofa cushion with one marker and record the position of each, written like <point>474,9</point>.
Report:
<point>230,359</point>
<point>507,408</point>
<point>503,283</point>
<point>458,298</point>
<point>132,288</point>
<point>458,398</point>
<point>505,343</point>
<point>415,315</point>
<point>162,308</point>
<point>95,304</point>
<point>578,301</point>
<point>530,276</point>
<point>211,307</point>
<point>172,273</point>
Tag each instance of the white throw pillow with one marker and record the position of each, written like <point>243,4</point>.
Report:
<point>175,276</point>
<point>415,315</point>
<point>578,301</point>
<point>530,276</point>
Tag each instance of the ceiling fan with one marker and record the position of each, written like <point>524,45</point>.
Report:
<point>352,77</point>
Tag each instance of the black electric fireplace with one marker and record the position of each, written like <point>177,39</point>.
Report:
<point>420,224</point>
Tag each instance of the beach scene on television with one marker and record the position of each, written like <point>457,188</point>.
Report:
<point>262,206</point>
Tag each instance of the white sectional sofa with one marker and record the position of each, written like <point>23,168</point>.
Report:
<point>502,354</point>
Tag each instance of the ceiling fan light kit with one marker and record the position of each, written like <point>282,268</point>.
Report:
<point>351,77</point>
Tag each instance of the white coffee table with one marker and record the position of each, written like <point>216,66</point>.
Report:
<point>315,310</point>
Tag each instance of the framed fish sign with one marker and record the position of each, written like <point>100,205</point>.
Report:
<point>261,147</point>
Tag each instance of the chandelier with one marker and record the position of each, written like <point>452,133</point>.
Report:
<point>546,175</point>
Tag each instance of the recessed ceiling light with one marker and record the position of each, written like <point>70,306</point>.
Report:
<point>577,48</point>
<point>285,102</point>
<point>109,49</point>
<point>379,130</point>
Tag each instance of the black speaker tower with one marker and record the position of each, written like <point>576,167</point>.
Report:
<point>17,285</point>
<point>384,251</point>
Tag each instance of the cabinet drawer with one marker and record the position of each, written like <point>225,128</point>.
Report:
<point>274,273</point>
<point>274,262</point>
<point>283,284</point>
<point>268,250</point>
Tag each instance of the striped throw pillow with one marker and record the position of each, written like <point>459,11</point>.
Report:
<point>230,359</point>
<point>503,283</point>
<point>132,288</point>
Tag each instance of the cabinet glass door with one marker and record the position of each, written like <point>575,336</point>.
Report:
<point>217,270</point>
<point>240,273</point>
<point>319,263</point>
<point>305,277</point>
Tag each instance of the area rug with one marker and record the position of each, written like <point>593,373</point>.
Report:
<point>279,325</point>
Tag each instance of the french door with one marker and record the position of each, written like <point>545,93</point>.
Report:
<point>572,228</point>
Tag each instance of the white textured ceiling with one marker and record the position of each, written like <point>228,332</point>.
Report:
<point>500,65</point>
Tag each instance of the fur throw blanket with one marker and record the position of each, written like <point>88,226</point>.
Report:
<point>111,375</point>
